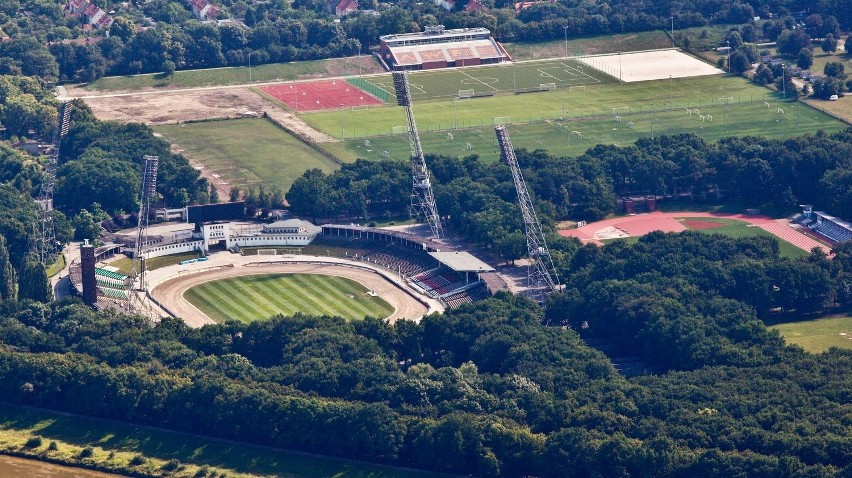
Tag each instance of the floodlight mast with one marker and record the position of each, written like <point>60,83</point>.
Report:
<point>541,273</point>
<point>47,235</point>
<point>422,197</point>
<point>149,189</point>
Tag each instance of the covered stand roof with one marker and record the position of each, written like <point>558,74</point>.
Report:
<point>461,261</point>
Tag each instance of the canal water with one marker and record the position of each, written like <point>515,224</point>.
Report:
<point>13,467</point>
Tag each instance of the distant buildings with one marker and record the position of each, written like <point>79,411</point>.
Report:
<point>341,8</point>
<point>90,13</point>
<point>524,5</point>
<point>204,10</point>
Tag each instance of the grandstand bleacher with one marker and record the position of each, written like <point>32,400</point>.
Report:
<point>826,225</point>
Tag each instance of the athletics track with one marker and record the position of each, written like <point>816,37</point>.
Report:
<point>641,224</point>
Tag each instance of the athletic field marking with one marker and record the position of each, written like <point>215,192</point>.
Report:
<point>477,79</point>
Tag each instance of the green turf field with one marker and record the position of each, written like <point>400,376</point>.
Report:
<point>735,228</point>
<point>115,444</point>
<point>589,46</point>
<point>240,75</point>
<point>493,79</point>
<point>261,296</point>
<point>661,103</point>
<point>247,152</point>
<point>818,335</point>
<point>573,135</point>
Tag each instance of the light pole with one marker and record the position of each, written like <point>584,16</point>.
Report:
<point>729,56</point>
<point>565,27</point>
<point>342,130</point>
<point>784,79</point>
<point>673,45</point>
<point>620,77</point>
<point>249,67</point>
<point>671,93</point>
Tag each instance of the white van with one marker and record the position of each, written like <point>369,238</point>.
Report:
<point>832,98</point>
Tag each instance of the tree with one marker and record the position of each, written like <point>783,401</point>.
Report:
<point>829,44</point>
<point>791,42</point>
<point>8,285</point>
<point>33,283</point>
<point>739,62</point>
<point>805,58</point>
<point>834,69</point>
<point>168,68</point>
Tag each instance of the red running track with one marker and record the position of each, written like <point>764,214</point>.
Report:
<point>642,224</point>
<point>320,95</point>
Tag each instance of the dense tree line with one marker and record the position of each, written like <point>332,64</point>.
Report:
<point>478,199</point>
<point>161,36</point>
<point>484,389</point>
<point>101,164</point>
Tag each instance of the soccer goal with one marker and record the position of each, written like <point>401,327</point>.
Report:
<point>547,86</point>
<point>621,110</point>
<point>578,87</point>
<point>466,94</point>
<point>400,129</point>
<point>502,120</point>
<point>267,252</point>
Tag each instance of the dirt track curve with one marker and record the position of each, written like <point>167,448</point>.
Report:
<point>170,292</point>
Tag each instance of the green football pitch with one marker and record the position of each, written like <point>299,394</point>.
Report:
<point>261,296</point>
<point>818,335</point>
<point>487,80</point>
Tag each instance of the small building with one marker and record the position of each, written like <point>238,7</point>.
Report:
<point>341,8</point>
<point>448,5</point>
<point>93,15</point>
<point>474,6</point>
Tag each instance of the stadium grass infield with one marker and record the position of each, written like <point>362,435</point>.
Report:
<point>247,152</point>
<point>261,296</point>
<point>115,444</point>
<point>818,335</point>
<point>735,228</point>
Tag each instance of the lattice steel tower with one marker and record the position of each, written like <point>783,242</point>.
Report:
<point>422,198</point>
<point>149,189</point>
<point>46,246</point>
<point>541,273</point>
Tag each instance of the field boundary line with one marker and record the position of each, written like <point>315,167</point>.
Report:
<point>477,79</point>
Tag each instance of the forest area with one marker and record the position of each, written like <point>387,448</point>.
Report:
<point>161,36</point>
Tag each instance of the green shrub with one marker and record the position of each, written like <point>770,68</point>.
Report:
<point>171,465</point>
<point>53,446</point>
<point>137,460</point>
<point>33,442</point>
<point>87,452</point>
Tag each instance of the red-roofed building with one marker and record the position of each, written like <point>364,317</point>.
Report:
<point>341,8</point>
<point>91,13</point>
<point>524,5</point>
<point>473,6</point>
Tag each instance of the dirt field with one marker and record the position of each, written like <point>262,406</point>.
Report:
<point>650,65</point>
<point>170,292</point>
<point>701,225</point>
<point>166,107</point>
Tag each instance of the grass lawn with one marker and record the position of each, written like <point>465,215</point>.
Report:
<point>662,102</point>
<point>579,130</point>
<point>261,296</point>
<point>247,152</point>
<point>818,335</point>
<point>57,266</point>
<point>239,75</point>
<point>589,46</point>
<point>736,228</point>
<point>73,433</point>
<point>125,264</point>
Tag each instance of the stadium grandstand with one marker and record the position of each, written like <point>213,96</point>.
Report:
<point>830,227</point>
<point>439,48</point>
<point>453,277</point>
